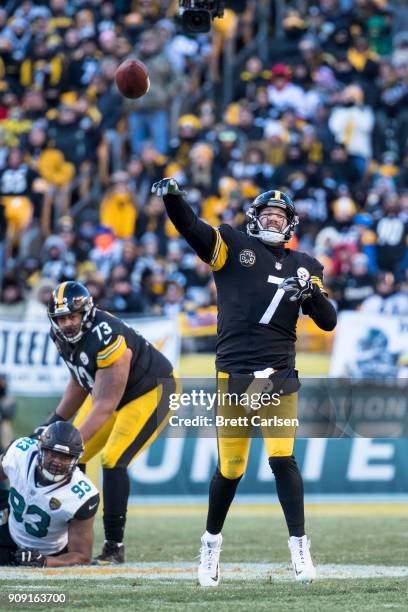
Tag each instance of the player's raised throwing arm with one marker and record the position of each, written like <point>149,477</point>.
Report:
<point>199,235</point>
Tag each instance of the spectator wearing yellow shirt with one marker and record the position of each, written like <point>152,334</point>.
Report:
<point>118,208</point>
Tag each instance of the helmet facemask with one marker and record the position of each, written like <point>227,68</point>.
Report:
<point>82,305</point>
<point>51,469</point>
<point>270,200</point>
<point>59,449</point>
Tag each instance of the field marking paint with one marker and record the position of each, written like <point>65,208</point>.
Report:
<point>272,509</point>
<point>187,571</point>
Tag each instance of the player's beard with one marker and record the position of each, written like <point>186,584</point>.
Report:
<point>54,471</point>
<point>71,331</point>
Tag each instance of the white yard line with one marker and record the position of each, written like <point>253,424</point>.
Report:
<point>187,571</point>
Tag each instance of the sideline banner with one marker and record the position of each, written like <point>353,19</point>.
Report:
<point>185,466</point>
<point>31,362</point>
<point>370,346</point>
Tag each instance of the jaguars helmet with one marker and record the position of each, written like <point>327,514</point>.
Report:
<point>279,200</point>
<point>68,298</point>
<point>60,437</point>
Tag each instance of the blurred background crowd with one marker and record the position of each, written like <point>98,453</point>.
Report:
<point>304,96</point>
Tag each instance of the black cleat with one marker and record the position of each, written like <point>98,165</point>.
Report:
<point>113,553</point>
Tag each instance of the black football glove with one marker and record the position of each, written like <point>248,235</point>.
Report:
<point>299,289</point>
<point>30,558</point>
<point>41,428</point>
<point>168,186</point>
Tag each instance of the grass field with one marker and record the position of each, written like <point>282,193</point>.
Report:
<point>162,543</point>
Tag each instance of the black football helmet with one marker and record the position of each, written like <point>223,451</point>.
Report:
<point>279,200</point>
<point>63,438</point>
<point>71,297</point>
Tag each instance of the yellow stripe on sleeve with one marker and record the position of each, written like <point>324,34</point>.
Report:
<point>112,353</point>
<point>220,253</point>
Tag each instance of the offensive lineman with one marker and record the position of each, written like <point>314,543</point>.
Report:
<point>261,287</point>
<point>51,504</point>
<point>116,391</point>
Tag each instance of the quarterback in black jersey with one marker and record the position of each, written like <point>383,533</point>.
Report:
<point>114,392</point>
<point>261,288</point>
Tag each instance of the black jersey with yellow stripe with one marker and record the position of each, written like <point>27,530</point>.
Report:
<point>102,345</point>
<point>256,320</point>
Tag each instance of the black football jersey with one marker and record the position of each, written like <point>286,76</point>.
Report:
<point>102,345</point>
<point>256,320</point>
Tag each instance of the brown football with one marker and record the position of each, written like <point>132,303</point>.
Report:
<point>132,78</point>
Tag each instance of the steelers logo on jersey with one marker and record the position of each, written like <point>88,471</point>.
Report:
<point>247,257</point>
<point>84,358</point>
<point>303,274</point>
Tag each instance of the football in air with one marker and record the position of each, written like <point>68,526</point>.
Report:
<point>132,78</point>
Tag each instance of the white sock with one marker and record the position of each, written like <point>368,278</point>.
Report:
<point>210,537</point>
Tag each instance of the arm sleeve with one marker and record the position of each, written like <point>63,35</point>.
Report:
<point>88,509</point>
<point>321,311</point>
<point>319,308</point>
<point>200,236</point>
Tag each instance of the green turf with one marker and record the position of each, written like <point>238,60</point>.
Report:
<point>125,595</point>
<point>255,538</point>
<point>261,539</point>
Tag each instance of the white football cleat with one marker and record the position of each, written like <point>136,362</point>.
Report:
<point>209,568</point>
<point>302,562</point>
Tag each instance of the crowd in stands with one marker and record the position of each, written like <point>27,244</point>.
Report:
<point>322,114</point>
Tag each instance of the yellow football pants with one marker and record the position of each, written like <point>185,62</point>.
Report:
<point>129,430</point>
<point>234,441</point>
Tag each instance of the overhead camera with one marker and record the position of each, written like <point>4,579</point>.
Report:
<point>197,15</point>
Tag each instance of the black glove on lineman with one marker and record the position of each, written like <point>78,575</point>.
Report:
<point>299,289</point>
<point>30,558</point>
<point>167,186</point>
<point>39,430</point>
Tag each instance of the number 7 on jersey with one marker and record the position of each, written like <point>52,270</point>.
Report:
<point>270,311</point>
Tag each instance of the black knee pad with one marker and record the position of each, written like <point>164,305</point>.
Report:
<point>281,465</point>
